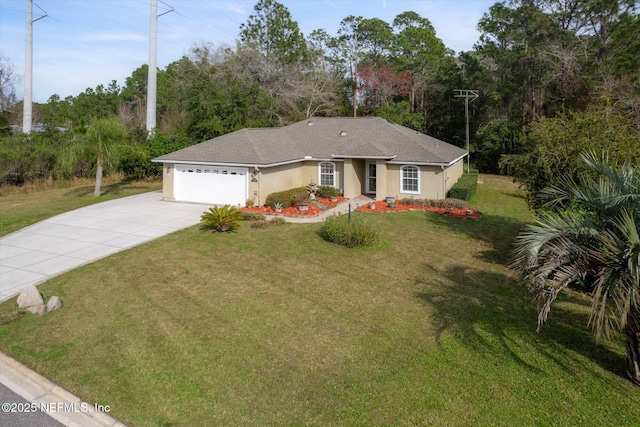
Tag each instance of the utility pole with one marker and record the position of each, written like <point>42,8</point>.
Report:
<point>355,74</point>
<point>27,107</point>
<point>27,103</point>
<point>152,76</point>
<point>466,94</point>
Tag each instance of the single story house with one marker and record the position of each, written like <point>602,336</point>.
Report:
<point>367,155</point>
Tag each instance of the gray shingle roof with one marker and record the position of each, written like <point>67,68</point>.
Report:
<point>320,138</point>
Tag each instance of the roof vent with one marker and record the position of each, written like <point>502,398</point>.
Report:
<point>437,145</point>
<point>343,133</point>
<point>310,123</point>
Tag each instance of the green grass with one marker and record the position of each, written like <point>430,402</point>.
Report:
<point>278,327</point>
<point>24,206</point>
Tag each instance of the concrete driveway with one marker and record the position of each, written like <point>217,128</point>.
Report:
<point>44,250</point>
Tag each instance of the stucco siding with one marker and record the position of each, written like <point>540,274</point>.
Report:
<point>285,177</point>
<point>432,182</point>
<point>454,172</point>
<point>278,178</point>
<point>353,177</point>
<point>350,176</point>
<point>168,175</point>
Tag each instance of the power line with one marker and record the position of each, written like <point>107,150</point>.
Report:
<point>205,26</point>
<point>466,94</point>
<point>43,11</point>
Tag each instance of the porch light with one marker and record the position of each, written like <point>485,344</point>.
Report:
<point>343,133</point>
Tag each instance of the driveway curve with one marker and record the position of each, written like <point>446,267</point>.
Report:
<point>61,243</point>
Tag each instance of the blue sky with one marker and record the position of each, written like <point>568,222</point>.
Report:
<point>84,43</point>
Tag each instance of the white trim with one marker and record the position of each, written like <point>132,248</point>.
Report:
<point>246,165</point>
<point>333,174</point>
<point>349,156</point>
<point>407,162</point>
<point>402,179</point>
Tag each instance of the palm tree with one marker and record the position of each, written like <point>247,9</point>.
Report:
<point>106,140</point>
<point>590,235</point>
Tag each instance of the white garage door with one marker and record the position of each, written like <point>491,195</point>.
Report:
<point>216,185</point>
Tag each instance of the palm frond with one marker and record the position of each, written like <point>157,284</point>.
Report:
<point>550,255</point>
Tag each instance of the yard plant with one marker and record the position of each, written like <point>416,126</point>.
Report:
<point>287,198</point>
<point>466,186</point>
<point>590,236</point>
<point>221,218</point>
<point>278,327</point>
<point>350,230</point>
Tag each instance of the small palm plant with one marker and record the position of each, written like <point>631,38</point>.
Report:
<point>222,219</point>
<point>590,234</point>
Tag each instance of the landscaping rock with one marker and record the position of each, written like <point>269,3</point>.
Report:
<point>37,309</point>
<point>54,304</point>
<point>31,300</point>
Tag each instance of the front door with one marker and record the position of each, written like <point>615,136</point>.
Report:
<point>371,178</point>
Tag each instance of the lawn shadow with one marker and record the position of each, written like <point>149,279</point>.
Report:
<point>498,232</point>
<point>491,313</point>
<point>517,195</point>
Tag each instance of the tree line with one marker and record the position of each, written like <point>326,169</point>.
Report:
<point>536,62</point>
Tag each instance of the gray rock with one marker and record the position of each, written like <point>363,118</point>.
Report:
<point>36,309</point>
<point>54,304</point>
<point>30,297</point>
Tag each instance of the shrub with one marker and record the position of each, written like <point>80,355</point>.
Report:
<point>455,203</point>
<point>465,187</point>
<point>262,223</point>
<point>277,220</point>
<point>252,216</point>
<point>357,233</point>
<point>287,198</point>
<point>442,203</point>
<point>221,219</point>
<point>327,191</point>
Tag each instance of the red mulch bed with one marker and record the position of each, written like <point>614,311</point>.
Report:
<point>329,203</point>
<point>294,211</point>
<point>383,206</point>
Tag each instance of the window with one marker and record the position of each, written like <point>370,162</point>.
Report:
<point>327,174</point>
<point>410,179</point>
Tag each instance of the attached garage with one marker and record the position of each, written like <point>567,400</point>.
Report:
<point>216,185</point>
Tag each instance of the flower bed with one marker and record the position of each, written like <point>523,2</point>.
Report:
<point>329,203</point>
<point>291,211</point>
<point>383,206</point>
<point>294,211</point>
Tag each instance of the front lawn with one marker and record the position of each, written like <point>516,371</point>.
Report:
<point>278,327</point>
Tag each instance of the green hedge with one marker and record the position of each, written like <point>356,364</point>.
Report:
<point>327,191</point>
<point>466,186</point>
<point>288,197</point>
<point>432,203</point>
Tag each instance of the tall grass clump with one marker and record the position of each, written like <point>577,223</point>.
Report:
<point>358,232</point>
